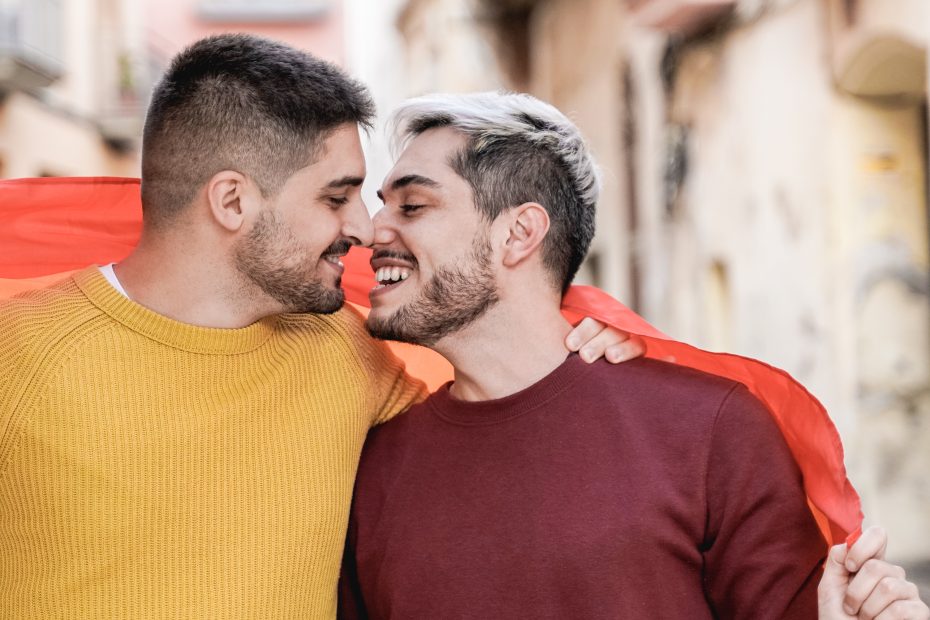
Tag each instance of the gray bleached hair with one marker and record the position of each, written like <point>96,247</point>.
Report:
<point>519,150</point>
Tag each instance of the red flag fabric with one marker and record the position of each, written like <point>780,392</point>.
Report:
<point>52,227</point>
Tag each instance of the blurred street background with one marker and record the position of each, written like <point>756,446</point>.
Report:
<point>765,163</point>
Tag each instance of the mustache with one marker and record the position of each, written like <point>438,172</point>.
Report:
<point>386,253</point>
<point>340,247</point>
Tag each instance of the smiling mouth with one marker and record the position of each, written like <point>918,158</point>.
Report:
<point>335,261</point>
<point>390,276</point>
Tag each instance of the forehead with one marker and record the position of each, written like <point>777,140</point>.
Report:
<point>340,154</point>
<point>428,155</point>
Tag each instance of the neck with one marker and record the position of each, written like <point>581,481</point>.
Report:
<point>507,350</point>
<point>190,286</point>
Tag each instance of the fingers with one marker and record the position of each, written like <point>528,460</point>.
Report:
<point>594,340</point>
<point>876,586</point>
<point>871,544</point>
<point>583,333</point>
<point>835,576</point>
<point>870,588</point>
<point>634,347</point>
<point>905,610</point>
<point>595,348</point>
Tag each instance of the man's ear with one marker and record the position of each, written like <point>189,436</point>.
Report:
<point>231,197</point>
<point>529,224</point>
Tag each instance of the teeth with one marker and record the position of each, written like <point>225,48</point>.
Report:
<point>390,275</point>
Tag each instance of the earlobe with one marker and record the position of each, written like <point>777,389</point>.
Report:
<point>528,229</point>
<point>227,194</point>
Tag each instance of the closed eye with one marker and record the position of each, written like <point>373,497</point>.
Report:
<point>338,201</point>
<point>408,209</point>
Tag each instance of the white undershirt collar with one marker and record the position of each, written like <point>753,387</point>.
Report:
<point>110,275</point>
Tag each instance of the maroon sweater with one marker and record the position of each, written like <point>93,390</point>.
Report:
<point>641,490</point>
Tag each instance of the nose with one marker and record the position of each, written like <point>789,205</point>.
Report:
<point>357,224</point>
<point>384,233</point>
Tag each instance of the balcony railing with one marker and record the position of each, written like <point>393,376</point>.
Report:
<point>30,43</point>
<point>263,11</point>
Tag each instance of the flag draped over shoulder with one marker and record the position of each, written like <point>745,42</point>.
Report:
<point>52,227</point>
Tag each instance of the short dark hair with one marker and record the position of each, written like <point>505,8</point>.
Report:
<point>519,150</point>
<point>245,103</point>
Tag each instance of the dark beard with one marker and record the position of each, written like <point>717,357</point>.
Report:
<point>272,258</point>
<point>452,299</point>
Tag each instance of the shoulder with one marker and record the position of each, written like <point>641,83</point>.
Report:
<point>672,382</point>
<point>38,321</point>
<point>346,325</point>
<point>665,390</point>
<point>343,337</point>
<point>38,331</point>
<point>646,399</point>
<point>341,333</point>
<point>720,415</point>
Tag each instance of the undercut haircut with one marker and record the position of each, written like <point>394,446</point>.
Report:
<point>244,103</point>
<point>519,149</point>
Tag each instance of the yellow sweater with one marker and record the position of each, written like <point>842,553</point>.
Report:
<point>153,469</point>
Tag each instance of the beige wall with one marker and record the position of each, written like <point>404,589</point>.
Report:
<point>880,226</point>
<point>36,139</point>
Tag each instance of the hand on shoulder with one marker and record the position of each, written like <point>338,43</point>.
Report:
<point>593,340</point>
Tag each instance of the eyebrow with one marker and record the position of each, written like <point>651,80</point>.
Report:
<point>351,181</point>
<point>409,179</point>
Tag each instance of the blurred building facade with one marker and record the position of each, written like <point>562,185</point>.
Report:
<point>67,69</point>
<point>765,183</point>
<point>76,75</point>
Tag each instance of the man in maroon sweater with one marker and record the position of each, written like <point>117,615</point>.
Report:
<point>535,486</point>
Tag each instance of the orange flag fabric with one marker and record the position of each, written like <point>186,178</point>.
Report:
<point>55,226</point>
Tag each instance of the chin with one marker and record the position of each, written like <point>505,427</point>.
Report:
<point>382,306</point>
<point>379,314</point>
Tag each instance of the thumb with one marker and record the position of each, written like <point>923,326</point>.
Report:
<point>835,576</point>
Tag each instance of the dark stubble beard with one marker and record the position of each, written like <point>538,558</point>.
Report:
<point>272,258</point>
<point>456,296</point>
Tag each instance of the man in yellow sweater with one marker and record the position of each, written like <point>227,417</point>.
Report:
<point>179,435</point>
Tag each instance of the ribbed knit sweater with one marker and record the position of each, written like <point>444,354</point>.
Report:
<point>155,469</point>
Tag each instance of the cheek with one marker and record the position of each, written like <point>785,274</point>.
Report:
<point>318,229</point>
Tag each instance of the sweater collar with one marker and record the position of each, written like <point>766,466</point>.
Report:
<point>192,338</point>
<point>486,412</point>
